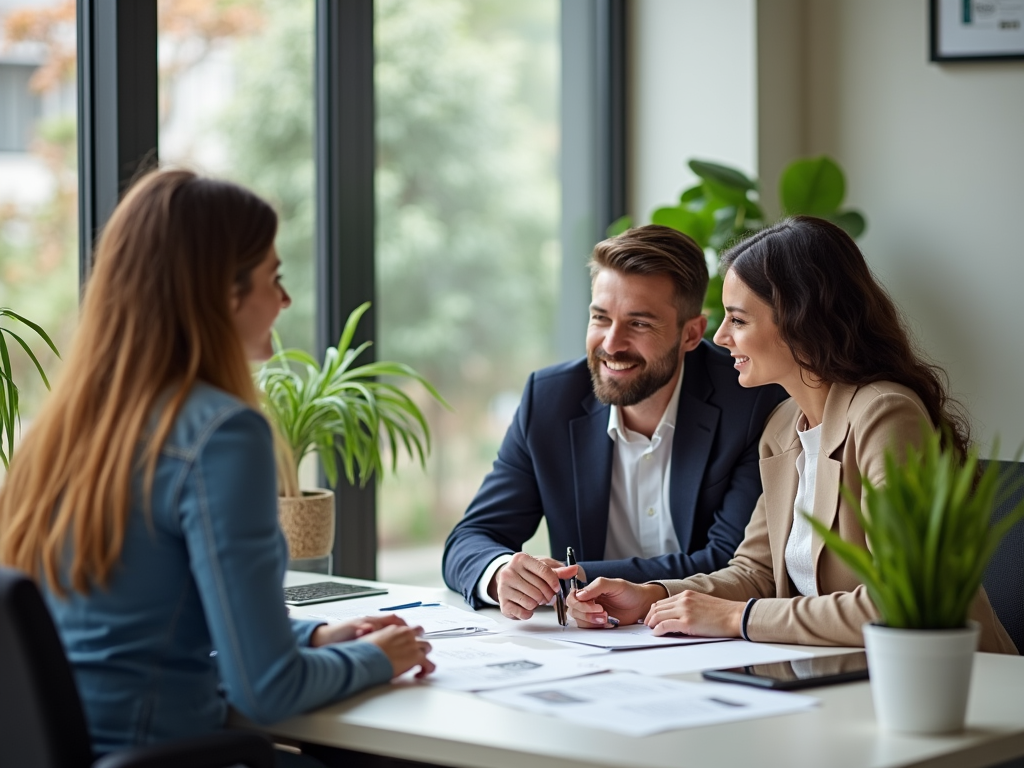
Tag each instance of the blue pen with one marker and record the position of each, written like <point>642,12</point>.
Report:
<point>417,604</point>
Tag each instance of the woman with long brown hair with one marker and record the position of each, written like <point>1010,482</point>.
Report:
<point>143,499</point>
<point>803,310</point>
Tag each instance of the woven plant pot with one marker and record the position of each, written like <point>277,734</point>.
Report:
<point>308,523</point>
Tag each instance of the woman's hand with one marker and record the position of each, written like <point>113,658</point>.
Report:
<point>404,648</point>
<point>326,634</point>
<point>694,613</point>
<point>623,600</point>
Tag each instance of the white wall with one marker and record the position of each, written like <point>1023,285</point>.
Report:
<point>692,94</point>
<point>934,156</point>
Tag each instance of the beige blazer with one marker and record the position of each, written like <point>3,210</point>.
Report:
<point>859,423</point>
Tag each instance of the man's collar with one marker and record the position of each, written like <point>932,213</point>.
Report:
<point>617,427</point>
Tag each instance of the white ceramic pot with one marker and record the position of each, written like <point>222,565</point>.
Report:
<point>920,678</point>
<point>308,523</point>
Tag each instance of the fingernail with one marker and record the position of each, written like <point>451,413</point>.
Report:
<point>599,619</point>
<point>613,621</point>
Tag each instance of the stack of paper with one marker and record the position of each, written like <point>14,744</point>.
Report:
<point>638,706</point>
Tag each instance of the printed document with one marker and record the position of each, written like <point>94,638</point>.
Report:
<point>696,658</point>
<point>486,663</point>
<point>433,618</point>
<point>627,636</point>
<point>636,705</point>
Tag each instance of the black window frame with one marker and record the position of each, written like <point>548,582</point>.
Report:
<point>118,138</point>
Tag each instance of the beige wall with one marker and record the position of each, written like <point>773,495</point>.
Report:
<point>934,156</point>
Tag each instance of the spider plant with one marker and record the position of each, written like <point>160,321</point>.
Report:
<point>343,411</point>
<point>929,533</point>
<point>9,399</point>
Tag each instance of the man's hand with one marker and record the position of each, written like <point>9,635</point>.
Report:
<point>326,634</point>
<point>695,613</point>
<point>526,582</point>
<point>623,600</point>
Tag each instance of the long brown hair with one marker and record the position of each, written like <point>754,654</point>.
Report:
<point>155,319</point>
<point>839,322</point>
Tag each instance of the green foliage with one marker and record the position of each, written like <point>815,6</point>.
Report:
<point>10,411</point>
<point>723,208</point>
<point>816,187</point>
<point>929,535</point>
<point>344,411</point>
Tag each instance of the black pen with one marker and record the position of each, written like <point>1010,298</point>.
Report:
<point>570,559</point>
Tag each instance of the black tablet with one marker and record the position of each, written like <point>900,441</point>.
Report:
<point>800,673</point>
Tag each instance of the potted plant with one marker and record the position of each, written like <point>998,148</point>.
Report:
<point>347,415</point>
<point>9,397</point>
<point>930,539</point>
<point>723,208</point>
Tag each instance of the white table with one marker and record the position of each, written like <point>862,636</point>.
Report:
<point>460,729</point>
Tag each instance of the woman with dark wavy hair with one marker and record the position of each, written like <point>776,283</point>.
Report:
<point>803,310</point>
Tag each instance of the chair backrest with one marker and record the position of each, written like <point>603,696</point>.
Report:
<point>1004,577</point>
<point>42,724</point>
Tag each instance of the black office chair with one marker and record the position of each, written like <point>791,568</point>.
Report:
<point>1004,577</point>
<point>42,724</point>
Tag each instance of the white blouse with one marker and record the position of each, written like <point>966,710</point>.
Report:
<point>798,547</point>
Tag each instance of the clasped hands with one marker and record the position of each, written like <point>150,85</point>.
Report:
<point>402,644</point>
<point>692,613</point>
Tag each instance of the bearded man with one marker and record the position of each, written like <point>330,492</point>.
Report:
<point>642,456</point>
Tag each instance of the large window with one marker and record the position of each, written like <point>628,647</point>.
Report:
<point>38,182</point>
<point>494,125</point>
<point>468,253</point>
<point>236,101</point>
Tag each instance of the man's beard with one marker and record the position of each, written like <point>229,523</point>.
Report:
<point>652,376</point>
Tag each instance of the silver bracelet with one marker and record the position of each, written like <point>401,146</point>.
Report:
<point>746,617</point>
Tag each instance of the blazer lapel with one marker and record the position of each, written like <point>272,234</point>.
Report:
<point>592,477</point>
<point>696,426</point>
<point>835,427</point>
<point>780,479</point>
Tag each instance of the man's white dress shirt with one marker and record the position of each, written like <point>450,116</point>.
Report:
<point>639,516</point>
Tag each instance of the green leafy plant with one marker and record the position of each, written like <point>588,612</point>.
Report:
<point>723,208</point>
<point>342,410</point>
<point>9,399</point>
<point>930,535</point>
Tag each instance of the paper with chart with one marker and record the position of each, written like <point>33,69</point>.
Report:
<point>433,618</point>
<point>637,705</point>
<point>627,636</point>
<point>495,661</point>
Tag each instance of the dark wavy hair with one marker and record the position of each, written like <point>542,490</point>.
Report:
<point>839,322</point>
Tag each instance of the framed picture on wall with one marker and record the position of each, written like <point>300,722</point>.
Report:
<point>977,30</point>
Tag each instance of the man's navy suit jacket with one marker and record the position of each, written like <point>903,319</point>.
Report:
<point>556,462</point>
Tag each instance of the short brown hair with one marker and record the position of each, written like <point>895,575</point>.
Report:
<point>657,250</point>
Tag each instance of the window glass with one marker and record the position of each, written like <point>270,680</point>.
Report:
<point>236,101</point>
<point>467,240</point>
<point>38,185</point>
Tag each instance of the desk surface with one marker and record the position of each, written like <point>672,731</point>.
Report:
<point>460,729</point>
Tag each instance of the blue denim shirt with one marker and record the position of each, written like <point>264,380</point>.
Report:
<point>203,573</point>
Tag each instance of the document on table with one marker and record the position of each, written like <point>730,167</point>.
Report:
<point>627,636</point>
<point>696,658</point>
<point>487,663</point>
<point>637,705</point>
<point>433,618</point>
